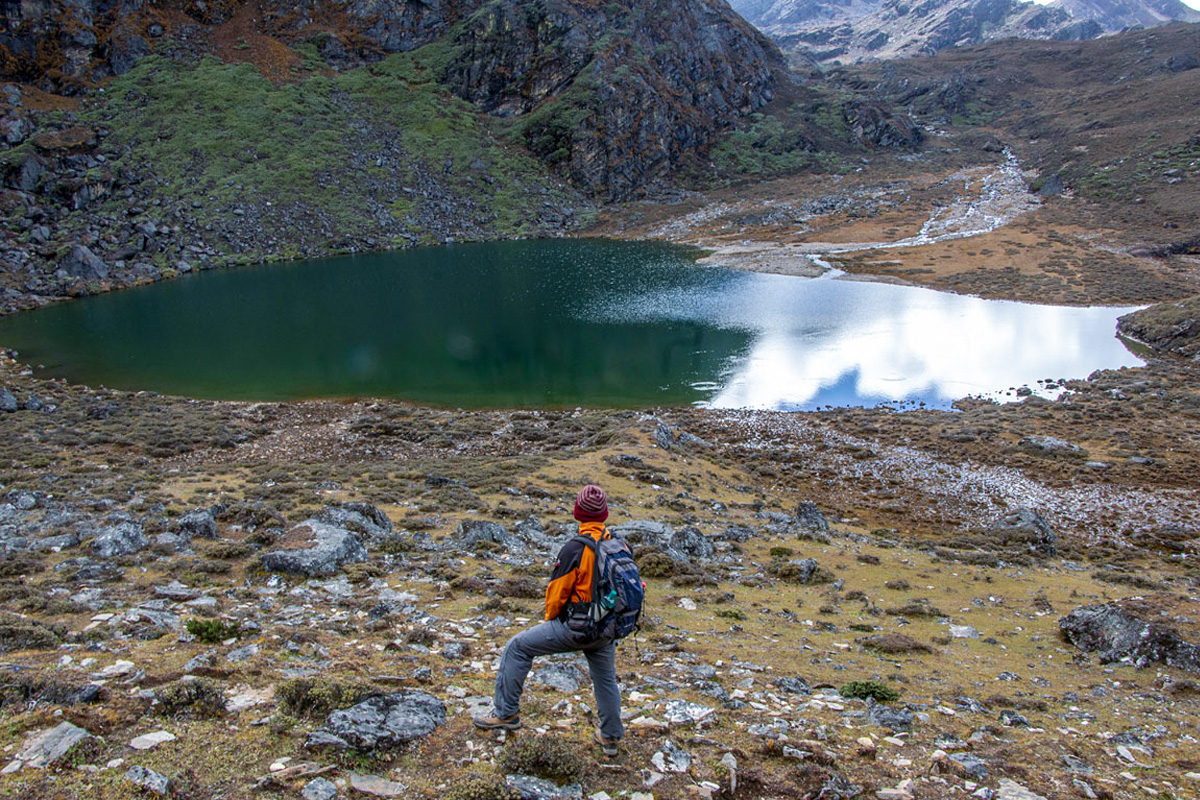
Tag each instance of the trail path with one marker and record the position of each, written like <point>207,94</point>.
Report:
<point>990,200</point>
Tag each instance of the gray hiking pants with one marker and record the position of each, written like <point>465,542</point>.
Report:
<point>554,637</point>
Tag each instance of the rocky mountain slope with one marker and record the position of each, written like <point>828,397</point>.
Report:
<point>146,140</point>
<point>848,33</point>
<point>1120,14</point>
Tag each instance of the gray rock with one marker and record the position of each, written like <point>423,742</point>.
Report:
<point>362,518</point>
<point>970,766</point>
<point>24,500</point>
<point>527,787</point>
<point>1013,719</point>
<point>563,677</point>
<point>8,402</point>
<point>1052,186</point>
<point>198,523</point>
<point>1011,790</point>
<point>60,542</point>
<point>809,517</point>
<point>84,264</point>
<point>1182,62</point>
<point>382,721</point>
<point>377,786</point>
<point>1025,527</point>
<point>472,531</point>
<point>327,549</point>
<point>169,543</point>
<point>244,653</point>
<point>47,747</point>
<point>793,685</point>
<point>533,533</point>
<point>1117,635</point>
<point>120,539</point>
<point>125,50</point>
<point>894,719</point>
<point>692,543</point>
<point>319,789</point>
<point>454,651</point>
<point>1051,447</point>
<point>149,781</point>
<point>176,591</point>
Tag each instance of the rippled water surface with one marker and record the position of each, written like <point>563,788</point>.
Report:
<point>559,323</point>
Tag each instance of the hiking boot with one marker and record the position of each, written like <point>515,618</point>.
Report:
<point>607,745</point>
<point>495,722</point>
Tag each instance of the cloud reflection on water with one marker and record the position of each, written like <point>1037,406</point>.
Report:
<point>837,342</point>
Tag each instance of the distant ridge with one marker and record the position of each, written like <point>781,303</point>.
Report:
<point>851,31</point>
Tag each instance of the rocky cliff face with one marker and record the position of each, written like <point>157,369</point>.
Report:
<point>898,29</point>
<point>869,30</point>
<point>610,96</point>
<point>1115,15</point>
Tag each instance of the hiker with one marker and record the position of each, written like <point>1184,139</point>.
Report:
<point>570,590</point>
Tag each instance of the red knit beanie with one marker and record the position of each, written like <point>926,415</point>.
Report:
<point>591,504</point>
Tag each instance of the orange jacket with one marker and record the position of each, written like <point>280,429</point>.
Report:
<point>571,581</point>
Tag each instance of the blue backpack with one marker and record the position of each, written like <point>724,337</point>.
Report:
<point>617,589</point>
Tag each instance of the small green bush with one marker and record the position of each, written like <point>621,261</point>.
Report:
<point>730,613</point>
<point>318,697</point>
<point>875,690</point>
<point>655,565</point>
<point>546,757</point>
<point>479,787</point>
<point>199,697</point>
<point>211,631</point>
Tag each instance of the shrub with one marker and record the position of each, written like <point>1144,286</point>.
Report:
<point>362,572</point>
<point>199,697</point>
<point>874,690</point>
<point>211,631</point>
<point>655,565</point>
<point>229,550</point>
<point>525,587</point>
<point>21,634</point>
<point>318,697</point>
<point>544,756</point>
<point>478,787</point>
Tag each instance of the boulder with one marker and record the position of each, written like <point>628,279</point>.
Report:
<point>894,719</point>
<point>381,721</point>
<point>82,263</point>
<point>1182,62</point>
<point>361,518</point>
<point>1051,447</point>
<point>200,522</point>
<point>319,549</point>
<point>1024,527</point>
<point>528,787</point>
<point>8,401</point>
<point>148,781</point>
<point>473,531</point>
<point>1052,186</point>
<point>119,539</point>
<point>809,517</point>
<point>49,746</point>
<point>1114,632</point>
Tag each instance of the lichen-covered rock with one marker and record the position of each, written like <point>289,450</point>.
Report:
<point>315,549</point>
<point>1116,633</point>
<point>199,523</point>
<point>361,518</point>
<point>1026,528</point>
<point>382,721</point>
<point>122,537</point>
<point>473,531</point>
<point>49,746</point>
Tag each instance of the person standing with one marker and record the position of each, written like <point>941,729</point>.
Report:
<point>570,589</point>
